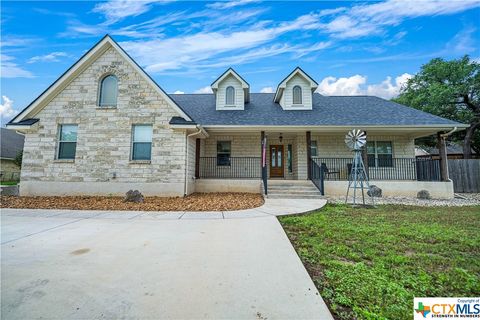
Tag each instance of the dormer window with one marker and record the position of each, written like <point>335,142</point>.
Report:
<point>108,91</point>
<point>230,96</point>
<point>297,95</point>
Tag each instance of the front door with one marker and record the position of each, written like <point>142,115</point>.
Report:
<point>276,161</point>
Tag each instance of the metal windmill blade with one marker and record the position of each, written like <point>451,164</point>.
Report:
<point>355,139</point>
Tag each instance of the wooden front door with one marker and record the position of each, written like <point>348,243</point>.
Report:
<point>276,161</point>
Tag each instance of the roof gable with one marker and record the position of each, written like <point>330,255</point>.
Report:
<point>228,72</point>
<point>297,71</point>
<point>78,67</point>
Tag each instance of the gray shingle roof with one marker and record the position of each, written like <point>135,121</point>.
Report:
<point>327,111</point>
<point>11,143</point>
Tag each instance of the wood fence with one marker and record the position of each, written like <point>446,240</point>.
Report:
<point>465,174</point>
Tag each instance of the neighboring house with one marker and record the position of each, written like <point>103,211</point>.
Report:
<point>11,145</point>
<point>105,127</point>
<point>454,151</point>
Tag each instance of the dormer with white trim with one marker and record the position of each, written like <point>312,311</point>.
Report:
<point>295,92</point>
<point>231,91</point>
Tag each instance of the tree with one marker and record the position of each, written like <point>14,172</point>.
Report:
<point>449,89</point>
<point>18,158</point>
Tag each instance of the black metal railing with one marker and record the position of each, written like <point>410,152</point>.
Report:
<point>231,167</point>
<point>317,175</point>
<point>382,169</point>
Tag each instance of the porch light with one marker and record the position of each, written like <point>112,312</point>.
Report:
<point>280,138</point>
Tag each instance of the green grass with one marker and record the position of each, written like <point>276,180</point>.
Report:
<point>371,263</point>
<point>9,183</point>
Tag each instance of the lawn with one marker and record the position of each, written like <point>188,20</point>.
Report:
<point>370,263</point>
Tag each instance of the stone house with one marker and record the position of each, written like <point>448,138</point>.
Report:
<point>105,126</point>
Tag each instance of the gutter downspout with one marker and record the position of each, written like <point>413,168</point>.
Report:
<point>444,137</point>
<point>200,130</point>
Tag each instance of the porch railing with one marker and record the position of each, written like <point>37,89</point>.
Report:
<point>317,176</point>
<point>230,167</point>
<point>382,168</point>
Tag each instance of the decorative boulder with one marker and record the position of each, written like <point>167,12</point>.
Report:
<point>133,196</point>
<point>423,194</point>
<point>374,191</point>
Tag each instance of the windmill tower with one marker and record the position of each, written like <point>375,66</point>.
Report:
<point>357,178</point>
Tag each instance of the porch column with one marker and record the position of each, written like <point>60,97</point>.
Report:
<point>365,157</point>
<point>197,158</point>
<point>263,168</point>
<point>442,152</point>
<point>309,155</point>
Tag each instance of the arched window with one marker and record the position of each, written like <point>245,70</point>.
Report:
<point>108,91</point>
<point>297,95</point>
<point>230,96</point>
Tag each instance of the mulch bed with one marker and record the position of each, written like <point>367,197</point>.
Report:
<point>194,202</point>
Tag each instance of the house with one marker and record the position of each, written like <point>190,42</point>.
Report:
<point>105,126</point>
<point>454,151</point>
<point>11,145</point>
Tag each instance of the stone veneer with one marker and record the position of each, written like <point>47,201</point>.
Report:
<point>104,136</point>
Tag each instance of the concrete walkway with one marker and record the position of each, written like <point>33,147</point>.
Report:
<point>271,207</point>
<point>69,264</point>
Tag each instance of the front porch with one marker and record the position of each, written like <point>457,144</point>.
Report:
<point>232,161</point>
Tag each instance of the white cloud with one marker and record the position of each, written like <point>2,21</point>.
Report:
<point>267,90</point>
<point>10,69</point>
<point>357,85</point>
<point>206,89</point>
<point>367,19</point>
<point>179,92</point>
<point>116,10</point>
<point>462,43</point>
<point>51,57</point>
<point>386,89</point>
<point>342,86</point>
<point>6,108</point>
<point>197,50</point>
<point>230,4</point>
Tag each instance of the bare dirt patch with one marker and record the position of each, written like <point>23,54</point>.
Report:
<point>194,202</point>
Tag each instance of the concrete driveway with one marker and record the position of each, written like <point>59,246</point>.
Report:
<point>108,266</point>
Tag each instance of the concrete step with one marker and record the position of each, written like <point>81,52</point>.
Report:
<point>294,196</point>
<point>291,188</point>
<point>289,182</point>
<point>311,191</point>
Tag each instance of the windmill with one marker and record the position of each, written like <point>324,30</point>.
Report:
<point>357,178</point>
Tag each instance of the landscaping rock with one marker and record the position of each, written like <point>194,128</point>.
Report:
<point>424,194</point>
<point>133,196</point>
<point>374,191</point>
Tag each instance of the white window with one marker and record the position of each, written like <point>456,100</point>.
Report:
<point>380,154</point>
<point>297,95</point>
<point>142,142</point>
<point>67,141</point>
<point>108,91</point>
<point>230,96</point>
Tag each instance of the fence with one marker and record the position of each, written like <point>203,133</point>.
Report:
<point>465,174</point>
<point>383,169</point>
<point>230,167</point>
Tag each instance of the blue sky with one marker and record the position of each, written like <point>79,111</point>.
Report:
<point>350,48</point>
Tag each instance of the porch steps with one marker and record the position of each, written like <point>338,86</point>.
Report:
<point>292,189</point>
